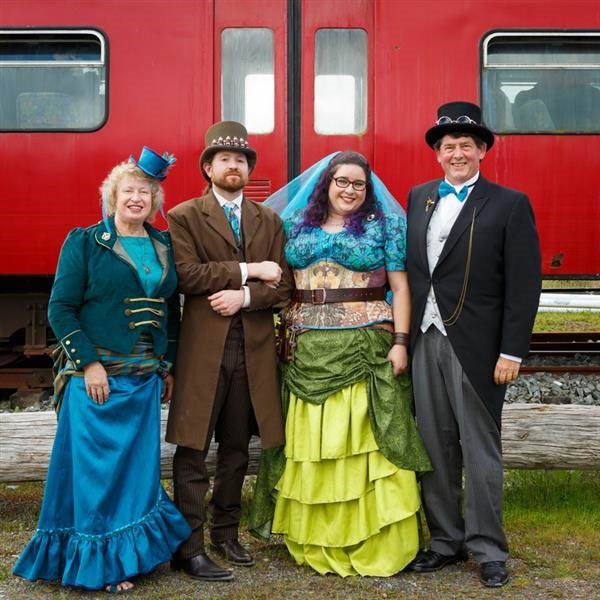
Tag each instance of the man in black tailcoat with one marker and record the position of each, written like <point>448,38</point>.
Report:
<point>474,273</point>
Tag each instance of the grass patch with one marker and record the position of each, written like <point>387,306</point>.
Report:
<point>567,322</point>
<point>553,521</point>
<point>570,283</point>
<point>571,321</point>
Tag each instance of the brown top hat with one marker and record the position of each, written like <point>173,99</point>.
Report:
<point>459,117</point>
<point>226,135</point>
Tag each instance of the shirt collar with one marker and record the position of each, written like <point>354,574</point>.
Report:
<point>469,183</point>
<point>222,201</point>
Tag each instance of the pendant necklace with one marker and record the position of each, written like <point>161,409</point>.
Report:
<point>142,258</point>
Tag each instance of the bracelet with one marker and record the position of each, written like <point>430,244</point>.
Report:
<point>400,338</point>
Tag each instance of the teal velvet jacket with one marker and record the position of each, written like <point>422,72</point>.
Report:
<point>98,299</point>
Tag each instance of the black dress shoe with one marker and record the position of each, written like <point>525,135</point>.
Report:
<point>494,573</point>
<point>233,552</point>
<point>430,560</point>
<point>201,567</point>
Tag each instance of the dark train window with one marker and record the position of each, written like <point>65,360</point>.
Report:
<point>52,80</point>
<point>541,82</point>
<point>247,79</point>
<point>340,81</point>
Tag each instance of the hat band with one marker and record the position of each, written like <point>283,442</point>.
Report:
<point>236,142</point>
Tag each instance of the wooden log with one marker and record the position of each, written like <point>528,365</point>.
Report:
<point>534,436</point>
<point>544,436</point>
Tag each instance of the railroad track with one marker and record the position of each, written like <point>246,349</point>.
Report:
<point>543,345</point>
<point>567,345</point>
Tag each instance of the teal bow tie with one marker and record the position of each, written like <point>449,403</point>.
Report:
<point>229,208</point>
<point>445,189</point>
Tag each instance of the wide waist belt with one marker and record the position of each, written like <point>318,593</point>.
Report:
<point>327,295</point>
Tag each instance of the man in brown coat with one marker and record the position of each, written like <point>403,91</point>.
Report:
<point>229,253</point>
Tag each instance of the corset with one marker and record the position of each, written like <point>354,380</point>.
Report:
<point>338,315</point>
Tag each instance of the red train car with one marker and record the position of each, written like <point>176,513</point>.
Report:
<point>83,84</point>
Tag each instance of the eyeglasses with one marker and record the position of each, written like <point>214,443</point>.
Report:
<point>464,120</point>
<point>343,182</point>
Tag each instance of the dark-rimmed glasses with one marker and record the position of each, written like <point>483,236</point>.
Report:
<point>463,120</point>
<point>343,182</point>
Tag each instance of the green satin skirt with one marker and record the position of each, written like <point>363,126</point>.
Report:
<point>341,505</point>
<point>343,491</point>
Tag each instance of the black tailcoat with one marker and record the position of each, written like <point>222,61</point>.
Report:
<point>503,280</point>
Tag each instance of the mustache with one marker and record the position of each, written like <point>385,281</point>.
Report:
<point>232,172</point>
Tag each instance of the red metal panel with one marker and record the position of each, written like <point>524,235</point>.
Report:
<point>427,54</point>
<point>271,148</point>
<point>333,14</point>
<point>160,86</point>
<point>163,68</point>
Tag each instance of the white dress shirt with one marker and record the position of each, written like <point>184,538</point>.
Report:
<point>444,216</point>
<point>237,201</point>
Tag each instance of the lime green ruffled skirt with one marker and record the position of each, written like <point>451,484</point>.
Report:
<point>341,505</point>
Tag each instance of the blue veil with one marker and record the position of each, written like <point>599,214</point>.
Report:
<point>294,196</point>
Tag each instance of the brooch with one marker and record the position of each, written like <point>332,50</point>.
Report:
<point>370,217</point>
<point>429,203</point>
<point>106,236</point>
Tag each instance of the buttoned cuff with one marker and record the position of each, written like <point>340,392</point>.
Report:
<point>79,349</point>
<point>510,357</point>
<point>244,271</point>
<point>246,296</point>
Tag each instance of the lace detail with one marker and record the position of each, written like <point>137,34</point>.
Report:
<point>383,244</point>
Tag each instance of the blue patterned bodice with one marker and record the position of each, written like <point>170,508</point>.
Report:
<point>383,244</point>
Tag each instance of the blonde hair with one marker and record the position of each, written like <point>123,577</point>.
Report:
<point>108,189</point>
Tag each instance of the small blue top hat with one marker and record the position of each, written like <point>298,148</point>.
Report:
<point>153,164</point>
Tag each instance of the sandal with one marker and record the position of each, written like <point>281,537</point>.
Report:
<point>114,588</point>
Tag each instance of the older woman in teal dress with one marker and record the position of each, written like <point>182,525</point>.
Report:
<point>115,311</point>
<point>344,490</point>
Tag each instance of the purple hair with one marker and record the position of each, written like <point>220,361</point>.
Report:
<point>316,212</point>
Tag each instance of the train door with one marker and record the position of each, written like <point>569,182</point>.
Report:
<point>251,82</point>
<point>336,85</point>
<point>298,75</point>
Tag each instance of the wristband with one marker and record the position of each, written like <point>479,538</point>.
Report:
<point>400,338</point>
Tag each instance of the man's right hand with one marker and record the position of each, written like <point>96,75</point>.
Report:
<point>267,271</point>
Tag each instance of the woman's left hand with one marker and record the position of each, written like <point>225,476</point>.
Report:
<point>398,356</point>
<point>167,390</point>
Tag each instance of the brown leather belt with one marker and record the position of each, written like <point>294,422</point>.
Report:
<point>327,295</point>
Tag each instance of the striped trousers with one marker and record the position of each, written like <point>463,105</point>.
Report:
<point>233,422</point>
<point>459,433</point>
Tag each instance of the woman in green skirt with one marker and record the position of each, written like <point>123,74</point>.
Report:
<point>343,491</point>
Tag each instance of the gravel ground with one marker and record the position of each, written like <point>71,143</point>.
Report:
<point>276,576</point>
<point>536,388</point>
<point>553,388</point>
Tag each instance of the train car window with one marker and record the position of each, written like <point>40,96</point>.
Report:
<point>541,82</point>
<point>340,72</point>
<point>247,80</point>
<point>52,80</point>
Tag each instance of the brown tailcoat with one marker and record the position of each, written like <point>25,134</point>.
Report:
<point>207,261</point>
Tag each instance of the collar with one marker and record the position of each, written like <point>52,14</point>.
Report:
<point>469,183</point>
<point>106,233</point>
<point>222,201</point>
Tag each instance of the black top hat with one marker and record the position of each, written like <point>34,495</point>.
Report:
<point>226,135</point>
<point>459,117</point>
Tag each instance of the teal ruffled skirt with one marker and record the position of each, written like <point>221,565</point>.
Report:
<point>105,516</point>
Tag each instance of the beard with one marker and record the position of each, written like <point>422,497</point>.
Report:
<point>230,184</point>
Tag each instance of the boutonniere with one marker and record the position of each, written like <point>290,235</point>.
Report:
<point>429,203</point>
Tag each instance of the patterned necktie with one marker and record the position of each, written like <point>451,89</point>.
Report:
<point>445,189</point>
<point>229,208</point>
